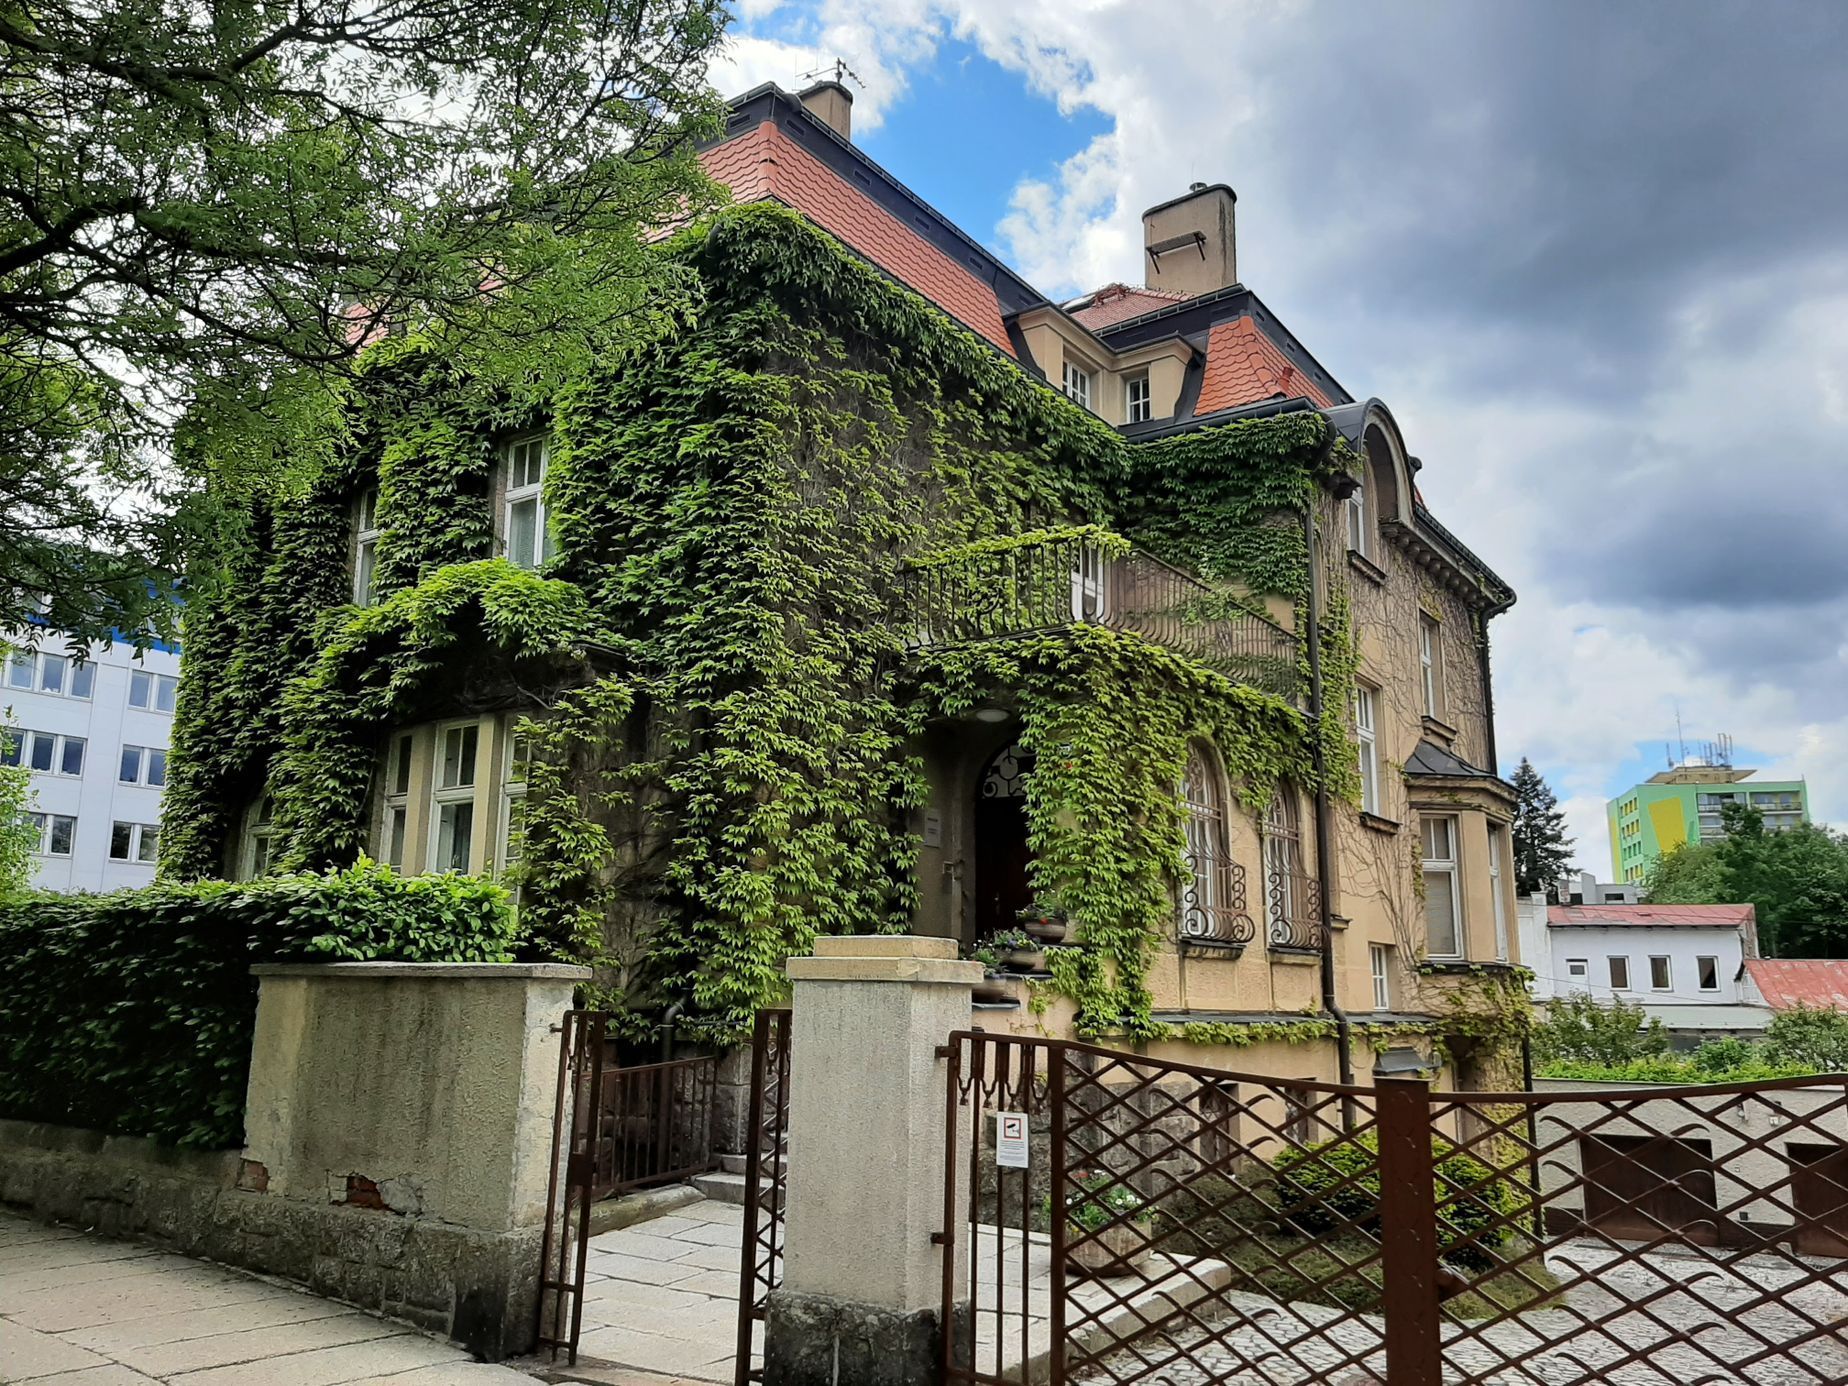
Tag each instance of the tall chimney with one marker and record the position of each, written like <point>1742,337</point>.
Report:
<point>1189,243</point>
<point>831,104</point>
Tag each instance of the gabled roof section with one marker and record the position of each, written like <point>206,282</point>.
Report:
<point>1115,303</point>
<point>1244,366</point>
<point>775,150</point>
<point>1785,983</point>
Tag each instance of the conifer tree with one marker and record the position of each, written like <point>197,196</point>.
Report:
<point>1542,851</point>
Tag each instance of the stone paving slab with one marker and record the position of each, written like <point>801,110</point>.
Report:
<point>77,1310</point>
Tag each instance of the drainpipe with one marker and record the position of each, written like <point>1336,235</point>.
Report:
<point>1324,817</point>
<point>668,1018</point>
<point>1488,689</point>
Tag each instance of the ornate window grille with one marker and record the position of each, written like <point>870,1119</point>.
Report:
<point>1213,893</point>
<point>1292,901</point>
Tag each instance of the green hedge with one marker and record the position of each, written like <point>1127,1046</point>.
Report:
<point>1308,1198</point>
<point>132,1012</point>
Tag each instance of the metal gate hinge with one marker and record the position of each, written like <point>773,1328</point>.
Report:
<point>943,1051</point>
<point>940,1239</point>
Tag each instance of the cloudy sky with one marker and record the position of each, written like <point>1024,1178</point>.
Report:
<point>1593,255</point>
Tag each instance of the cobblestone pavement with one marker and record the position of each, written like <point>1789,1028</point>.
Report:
<point>1626,1306</point>
<point>77,1310</point>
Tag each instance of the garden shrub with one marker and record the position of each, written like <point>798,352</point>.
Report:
<point>132,1012</point>
<point>1308,1196</point>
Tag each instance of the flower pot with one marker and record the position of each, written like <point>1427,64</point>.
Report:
<point>993,989</point>
<point>1046,930</point>
<point>1024,960</point>
<point>1119,1249</point>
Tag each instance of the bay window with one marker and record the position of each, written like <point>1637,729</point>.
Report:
<point>1443,902</point>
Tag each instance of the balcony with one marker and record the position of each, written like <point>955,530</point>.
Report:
<point>1063,579</point>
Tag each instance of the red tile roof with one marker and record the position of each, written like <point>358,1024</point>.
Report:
<point>1788,982</point>
<point>1655,916</point>
<point>765,163</point>
<point>1244,366</point>
<point>1116,303</point>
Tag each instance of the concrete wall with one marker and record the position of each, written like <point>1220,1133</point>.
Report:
<point>97,798</point>
<point>1683,947</point>
<point>1749,1135</point>
<point>398,1131</point>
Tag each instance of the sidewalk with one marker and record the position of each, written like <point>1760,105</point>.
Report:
<point>76,1310</point>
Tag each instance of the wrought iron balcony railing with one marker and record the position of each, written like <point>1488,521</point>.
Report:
<point>1293,912</point>
<point>1062,580</point>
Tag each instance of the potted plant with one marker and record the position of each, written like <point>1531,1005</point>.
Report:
<point>993,988</point>
<point>1109,1227</point>
<point>1017,951</point>
<point>1042,922</point>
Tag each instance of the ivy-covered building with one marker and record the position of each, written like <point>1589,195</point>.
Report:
<point>886,593</point>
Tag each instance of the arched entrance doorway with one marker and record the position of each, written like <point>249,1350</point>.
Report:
<point>1002,890</point>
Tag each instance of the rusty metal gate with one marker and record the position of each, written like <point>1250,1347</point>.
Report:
<point>615,1128</point>
<point>765,1169</point>
<point>1118,1219</point>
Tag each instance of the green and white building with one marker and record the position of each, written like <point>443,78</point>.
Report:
<point>1686,804</point>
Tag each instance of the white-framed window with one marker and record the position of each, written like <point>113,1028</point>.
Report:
<point>1661,975</point>
<point>1443,901</point>
<point>1497,899</point>
<point>44,752</point>
<point>1579,970</point>
<point>365,546</point>
<point>1137,404</point>
<point>1359,533</point>
<point>513,798</point>
<point>1367,749</point>
<point>1379,959</point>
<point>1078,384</point>
<point>396,818</point>
<point>1210,909</point>
<point>1708,971</point>
<point>1431,665</point>
<point>56,833</point>
<point>154,692</point>
<point>452,799</point>
<point>40,671</point>
<point>528,536</point>
<point>259,838</point>
<point>143,765</point>
<point>1090,582</point>
<point>1620,973</point>
<point>138,842</point>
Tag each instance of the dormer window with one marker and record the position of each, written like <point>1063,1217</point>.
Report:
<point>529,542</point>
<point>1078,384</point>
<point>365,546</point>
<point>1136,406</point>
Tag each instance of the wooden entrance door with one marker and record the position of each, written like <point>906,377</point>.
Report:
<point>1641,1187</point>
<point>1819,1188</point>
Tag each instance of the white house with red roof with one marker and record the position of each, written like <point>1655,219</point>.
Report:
<point>1686,965</point>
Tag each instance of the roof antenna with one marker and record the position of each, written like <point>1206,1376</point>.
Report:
<point>837,72</point>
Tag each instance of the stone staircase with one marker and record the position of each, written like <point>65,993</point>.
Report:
<point>726,1183</point>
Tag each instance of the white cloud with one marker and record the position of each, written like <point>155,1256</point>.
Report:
<point>1472,223</point>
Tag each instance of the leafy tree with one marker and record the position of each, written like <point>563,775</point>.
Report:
<point>1583,1030</point>
<point>18,838</point>
<point>1816,1039</point>
<point>1542,851</point>
<point>1690,873</point>
<point>206,214</point>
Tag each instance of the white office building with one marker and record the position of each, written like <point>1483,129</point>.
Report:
<point>94,735</point>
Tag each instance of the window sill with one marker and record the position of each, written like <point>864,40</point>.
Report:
<point>1366,567</point>
<point>1378,824</point>
<point>1438,727</point>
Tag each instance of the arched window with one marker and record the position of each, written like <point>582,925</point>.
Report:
<point>1213,894</point>
<point>1291,902</point>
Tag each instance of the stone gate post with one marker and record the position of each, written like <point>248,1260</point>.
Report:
<point>862,1281</point>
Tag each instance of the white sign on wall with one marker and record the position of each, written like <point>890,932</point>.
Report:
<point>1011,1140</point>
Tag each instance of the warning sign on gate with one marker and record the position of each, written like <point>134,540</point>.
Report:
<point>1011,1140</point>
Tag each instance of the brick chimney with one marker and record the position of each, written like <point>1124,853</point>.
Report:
<point>831,104</point>
<point>1189,243</point>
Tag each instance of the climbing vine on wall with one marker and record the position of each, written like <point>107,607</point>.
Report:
<point>715,665</point>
